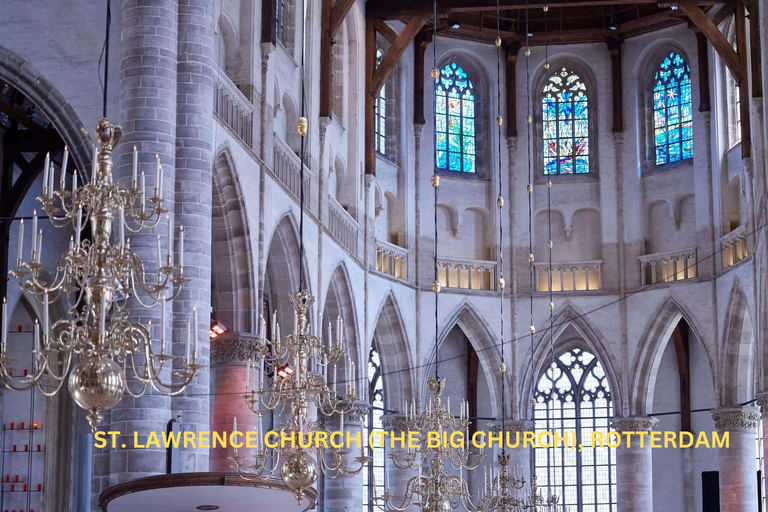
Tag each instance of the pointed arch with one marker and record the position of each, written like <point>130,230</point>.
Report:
<point>573,329</point>
<point>482,339</point>
<point>737,370</point>
<point>233,278</point>
<point>281,272</point>
<point>390,339</point>
<point>658,331</point>
<point>339,301</point>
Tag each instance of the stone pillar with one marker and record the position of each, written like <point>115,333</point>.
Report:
<point>194,164</point>
<point>634,467</point>
<point>738,476</point>
<point>229,360</point>
<point>520,455</point>
<point>148,116</point>
<point>345,492</point>
<point>398,478</point>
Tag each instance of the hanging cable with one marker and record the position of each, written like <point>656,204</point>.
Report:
<point>105,57</point>
<point>435,184</point>
<point>500,243</point>
<point>549,226</point>
<point>302,127</point>
<point>531,259</point>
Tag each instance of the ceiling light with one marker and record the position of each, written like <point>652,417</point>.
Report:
<point>217,329</point>
<point>285,371</point>
<point>456,25</point>
<point>207,507</point>
<point>613,26</point>
<point>5,89</point>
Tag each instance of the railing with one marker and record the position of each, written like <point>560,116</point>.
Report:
<point>580,276</point>
<point>391,259</point>
<point>342,226</point>
<point>734,246</point>
<point>467,274</point>
<point>668,266</point>
<point>233,108</point>
<point>286,168</point>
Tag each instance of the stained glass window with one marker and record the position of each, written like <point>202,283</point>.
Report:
<point>565,123</point>
<point>381,113</point>
<point>373,472</point>
<point>576,396</point>
<point>672,114</point>
<point>455,120</point>
<point>280,20</point>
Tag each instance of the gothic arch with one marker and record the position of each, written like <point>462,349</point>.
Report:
<point>390,339</point>
<point>339,301</point>
<point>281,272</point>
<point>481,336</point>
<point>22,75</point>
<point>567,319</point>
<point>736,367</point>
<point>233,277</point>
<point>658,331</point>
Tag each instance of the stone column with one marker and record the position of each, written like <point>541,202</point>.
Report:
<point>148,116</point>
<point>520,455</point>
<point>229,360</point>
<point>194,163</point>
<point>738,478</point>
<point>345,492</point>
<point>398,478</point>
<point>634,467</point>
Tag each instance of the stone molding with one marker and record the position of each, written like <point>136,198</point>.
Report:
<point>762,403</point>
<point>512,426</point>
<point>634,424</point>
<point>235,348</point>
<point>357,414</point>
<point>394,423</point>
<point>729,419</point>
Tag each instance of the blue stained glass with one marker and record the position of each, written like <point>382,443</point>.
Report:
<point>672,115</point>
<point>454,122</point>
<point>566,141</point>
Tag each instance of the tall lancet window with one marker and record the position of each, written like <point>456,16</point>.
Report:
<point>565,122</point>
<point>280,31</point>
<point>672,114</point>
<point>373,472</point>
<point>455,121</point>
<point>575,396</point>
<point>381,113</point>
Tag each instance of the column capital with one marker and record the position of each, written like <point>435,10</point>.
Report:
<point>512,426</point>
<point>762,403</point>
<point>728,419</point>
<point>233,348</point>
<point>618,137</point>
<point>634,423</point>
<point>417,128</point>
<point>394,423</point>
<point>512,144</point>
<point>355,415</point>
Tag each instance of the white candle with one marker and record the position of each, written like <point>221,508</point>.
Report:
<point>354,377</point>
<point>261,376</point>
<point>4,335</point>
<point>341,422</point>
<point>135,167</point>
<point>234,424</point>
<point>189,339</point>
<point>181,246</point>
<point>34,233</point>
<point>170,240</point>
<point>64,160</point>
<point>21,243</point>
<point>143,189</point>
<point>46,170</point>
<point>39,246</point>
<point>46,321</point>
<point>121,220</point>
<point>248,376</point>
<point>37,336</point>
<point>74,184</point>
<point>162,325</point>
<point>334,379</point>
<point>79,225</point>
<point>160,182</point>
<point>194,321</point>
<point>341,332</point>
<point>71,243</point>
<point>51,175</point>
<point>159,263</point>
<point>95,165</point>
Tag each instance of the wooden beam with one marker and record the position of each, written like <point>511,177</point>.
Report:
<point>422,42</point>
<point>724,13</point>
<point>370,98</point>
<point>511,49</point>
<point>755,49</point>
<point>390,59</point>
<point>715,37</point>
<point>326,58</point>
<point>339,12</point>
<point>703,60</point>
<point>614,50</point>
<point>741,49</point>
<point>385,30</point>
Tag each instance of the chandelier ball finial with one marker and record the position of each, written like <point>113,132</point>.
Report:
<point>96,384</point>
<point>299,472</point>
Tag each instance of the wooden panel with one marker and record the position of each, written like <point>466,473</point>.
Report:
<point>391,58</point>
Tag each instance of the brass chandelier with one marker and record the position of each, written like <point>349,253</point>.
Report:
<point>94,280</point>
<point>300,364</point>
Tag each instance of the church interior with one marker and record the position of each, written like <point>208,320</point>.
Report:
<point>527,218</point>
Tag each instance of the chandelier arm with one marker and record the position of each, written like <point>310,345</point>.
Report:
<point>51,393</point>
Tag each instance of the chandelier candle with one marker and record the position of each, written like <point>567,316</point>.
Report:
<point>64,160</point>
<point>96,340</point>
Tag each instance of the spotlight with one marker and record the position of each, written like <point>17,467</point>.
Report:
<point>674,7</point>
<point>613,26</point>
<point>5,88</point>
<point>456,25</point>
<point>284,371</point>
<point>530,34</point>
<point>217,329</point>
